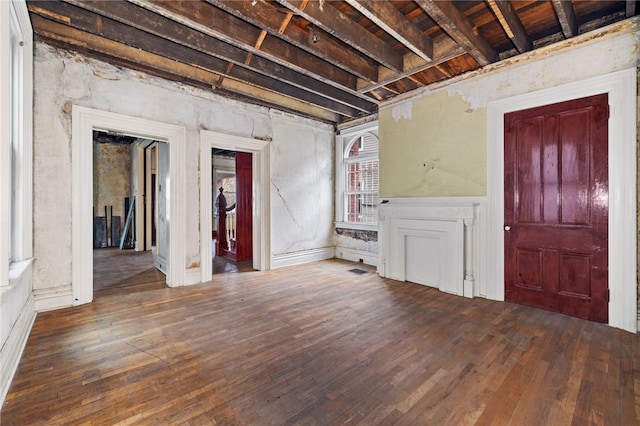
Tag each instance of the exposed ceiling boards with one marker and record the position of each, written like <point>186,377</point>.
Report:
<point>329,60</point>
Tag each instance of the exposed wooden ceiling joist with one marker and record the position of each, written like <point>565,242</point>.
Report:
<point>266,15</point>
<point>331,20</point>
<point>390,19</point>
<point>129,56</point>
<point>567,17</point>
<point>456,24</point>
<point>632,5</point>
<point>512,25</point>
<point>221,25</point>
<point>333,60</point>
<point>143,36</point>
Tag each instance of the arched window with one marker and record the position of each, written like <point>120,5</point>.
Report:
<point>357,178</point>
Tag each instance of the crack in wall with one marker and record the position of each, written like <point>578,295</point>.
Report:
<point>286,206</point>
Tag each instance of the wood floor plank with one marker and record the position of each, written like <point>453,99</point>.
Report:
<point>314,344</point>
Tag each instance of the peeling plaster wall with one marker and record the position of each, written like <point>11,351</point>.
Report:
<point>302,205</point>
<point>433,143</point>
<point>111,178</point>
<point>301,187</point>
<point>365,241</point>
<point>433,147</point>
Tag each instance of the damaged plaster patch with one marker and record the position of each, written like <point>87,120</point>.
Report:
<point>105,76</point>
<point>358,234</point>
<point>402,110</point>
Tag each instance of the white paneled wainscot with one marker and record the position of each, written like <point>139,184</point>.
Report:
<point>431,242</point>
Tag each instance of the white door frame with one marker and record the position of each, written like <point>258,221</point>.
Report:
<point>261,214</point>
<point>621,88</point>
<point>84,122</point>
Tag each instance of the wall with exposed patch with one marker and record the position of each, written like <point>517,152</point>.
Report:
<point>111,178</point>
<point>302,157</point>
<point>433,146</point>
<point>433,143</point>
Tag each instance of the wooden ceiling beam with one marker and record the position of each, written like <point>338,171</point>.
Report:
<point>219,24</point>
<point>444,50</point>
<point>122,33</point>
<point>566,17</point>
<point>447,15</point>
<point>265,15</point>
<point>165,28</point>
<point>509,20</point>
<point>134,58</point>
<point>386,16</point>
<point>631,8</point>
<point>334,22</point>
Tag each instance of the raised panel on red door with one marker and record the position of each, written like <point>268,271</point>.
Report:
<point>556,207</point>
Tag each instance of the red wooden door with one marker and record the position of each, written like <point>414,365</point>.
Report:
<point>556,207</point>
<point>244,206</point>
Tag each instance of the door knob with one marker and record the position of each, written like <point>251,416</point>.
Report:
<point>507,228</point>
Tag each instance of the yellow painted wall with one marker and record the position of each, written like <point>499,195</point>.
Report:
<point>440,151</point>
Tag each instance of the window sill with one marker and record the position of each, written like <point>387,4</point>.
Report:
<point>357,226</point>
<point>17,269</point>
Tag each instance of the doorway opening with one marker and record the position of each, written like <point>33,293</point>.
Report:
<point>84,122</point>
<point>232,236</point>
<point>130,236</point>
<point>256,162</point>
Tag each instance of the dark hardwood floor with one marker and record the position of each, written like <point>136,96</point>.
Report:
<point>316,345</point>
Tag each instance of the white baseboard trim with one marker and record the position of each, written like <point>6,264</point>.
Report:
<point>14,346</point>
<point>192,276</point>
<point>300,257</point>
<point>354,255</point>
<point>56,298</point>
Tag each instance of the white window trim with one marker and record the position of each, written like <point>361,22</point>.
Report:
<point>343,140</point>
<point>22,250</point>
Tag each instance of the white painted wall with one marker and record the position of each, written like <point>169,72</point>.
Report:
<point>302,153</point>
<point>301,187</point>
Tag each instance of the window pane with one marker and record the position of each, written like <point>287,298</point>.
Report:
<point>360,188</point>
<point>365,144</point>
<point>362,191</point>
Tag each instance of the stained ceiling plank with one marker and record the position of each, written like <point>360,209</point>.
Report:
<point>446,14</point>
<point>331,20</point>
<point>133,57</point>
<point>265,15</point>
<point>567,17</point>
<point>386,16</point>
<point>509,20</point>
<point>230,29</point>
<point>119,32</point>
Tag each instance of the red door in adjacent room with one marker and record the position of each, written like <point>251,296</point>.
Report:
<point>556,207</point>
<point>244,206</point>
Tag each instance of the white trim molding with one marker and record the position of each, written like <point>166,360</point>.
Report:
<point>621,88</point>
<point>354,255</point>
<point>301,257</point>
<point>12,349</point>
<point>430,241</point>
<point>84,122</point>
<point>261,214</point>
